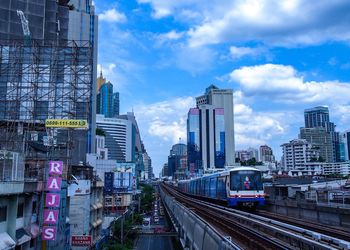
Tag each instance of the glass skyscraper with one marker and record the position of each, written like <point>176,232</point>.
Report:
<point>194,159</point>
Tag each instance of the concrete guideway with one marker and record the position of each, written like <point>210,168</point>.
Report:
<point>291,235</point>
<point>194,232</point>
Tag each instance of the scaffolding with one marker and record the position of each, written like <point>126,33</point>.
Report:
<point>39,82</point>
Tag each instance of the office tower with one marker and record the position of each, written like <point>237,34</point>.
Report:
<point>298,152</point>
<point>344,146</point>
<point>174,159</point>
<point>194,154</point>
<point>116,104</point>
<point>118,137</point>
<point>222,99</point>
<point>266,154</point>
<point>319,117</point>
<point>105,100</point>
<point>320,138</point>
<point>216,127</point>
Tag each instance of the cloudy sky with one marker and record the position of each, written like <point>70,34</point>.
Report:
<point>279,57</point>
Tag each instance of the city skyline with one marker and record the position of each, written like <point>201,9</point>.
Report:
<point>161,55</point>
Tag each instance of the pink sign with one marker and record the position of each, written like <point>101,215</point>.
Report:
<point>50,216</point>
<point>54,184</point>
<point>55,167</point>
<point>52,200</point>
<point>49,233</point>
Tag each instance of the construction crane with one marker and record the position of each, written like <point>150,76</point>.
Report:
<point>25,27</point>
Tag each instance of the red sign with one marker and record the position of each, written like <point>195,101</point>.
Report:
<point>81,240</point>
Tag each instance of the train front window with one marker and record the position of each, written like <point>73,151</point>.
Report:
<point>246,180</point>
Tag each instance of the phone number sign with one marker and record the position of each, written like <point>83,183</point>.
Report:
<point>65,123</point>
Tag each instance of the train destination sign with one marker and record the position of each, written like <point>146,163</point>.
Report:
<point>65,123</point>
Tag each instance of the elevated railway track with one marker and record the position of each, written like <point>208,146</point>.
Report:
<point>252,231</point>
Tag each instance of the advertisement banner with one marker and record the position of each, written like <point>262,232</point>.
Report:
<point>81,240</point>
<point>52,200</point>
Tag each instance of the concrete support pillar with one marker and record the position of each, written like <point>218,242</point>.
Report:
<point>12,216</point>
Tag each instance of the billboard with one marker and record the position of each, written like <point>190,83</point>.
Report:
<point>65,123</point>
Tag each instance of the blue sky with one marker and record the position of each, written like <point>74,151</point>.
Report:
<point>279,57</point>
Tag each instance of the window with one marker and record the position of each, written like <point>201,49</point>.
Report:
<point>20,210</point>
<point>3,214</point>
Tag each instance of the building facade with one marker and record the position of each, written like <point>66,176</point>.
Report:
<point>216,127</point>
<point>320,139</point>
<point>319,117</point>
<point>266,154</point>
<point>344,146</point>
<point>297,153</point>
<point>119,136</point>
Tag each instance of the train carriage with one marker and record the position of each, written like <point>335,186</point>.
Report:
<point>240,186</point>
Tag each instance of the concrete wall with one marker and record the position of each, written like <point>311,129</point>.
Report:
<point>328,215</point>
<point>193,232</point>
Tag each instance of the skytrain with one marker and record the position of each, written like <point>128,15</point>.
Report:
<point>239,187</point>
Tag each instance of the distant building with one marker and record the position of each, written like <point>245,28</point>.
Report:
<point>243,155</point>
<point>116,104</point>
<point>118,138</point>
<point>253,153</point>
<point>210,130</point>
<point>319,117</point>
<point>297,153</point>
<point>266,154</point>
<point>344,146</point>
<point>177,152</point>
<point>321,139</point>
<point>165,171</point>
<point>105,100</point>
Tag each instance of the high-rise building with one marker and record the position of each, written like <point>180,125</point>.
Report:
<point>320,138</point>
<point>116,104</point>
<point>221,99</point>
<point>298,152</point>
<point>319,117</point>
<point>216,129</point>
<point>174,159</point>
<point>105,100</point>
<point>194,154</point>
<point>344,146</point>
<point>118,137</point>
<point>266,154</point>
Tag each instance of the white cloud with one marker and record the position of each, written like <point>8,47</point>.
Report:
<point>276,22</point>
<point>165,120</point>
<point>280,83</point>
<point>112,16</point>
<point>239,52</point>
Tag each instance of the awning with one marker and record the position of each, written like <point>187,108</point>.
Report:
<point>99,205</point>
<point>22,236</point>
<point>34,230</point>
<point>6,242</point>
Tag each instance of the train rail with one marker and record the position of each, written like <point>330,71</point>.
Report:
<point>261,232</point>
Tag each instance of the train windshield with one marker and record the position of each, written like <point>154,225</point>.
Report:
<point>246,180</point>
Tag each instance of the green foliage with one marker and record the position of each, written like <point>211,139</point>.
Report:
<point>147,198</point>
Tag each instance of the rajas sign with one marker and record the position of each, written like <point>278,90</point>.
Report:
<point>52,200</point>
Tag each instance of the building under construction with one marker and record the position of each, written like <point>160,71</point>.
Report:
<point>39,82</point>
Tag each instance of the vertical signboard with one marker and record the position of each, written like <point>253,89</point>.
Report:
<point>52,200</point>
